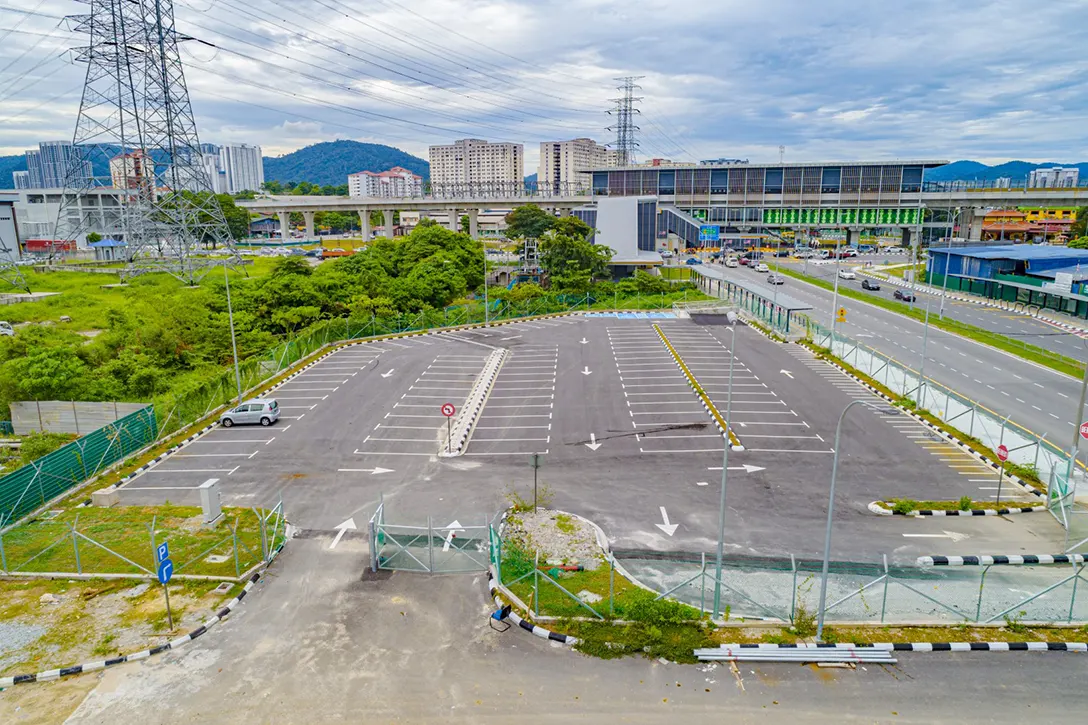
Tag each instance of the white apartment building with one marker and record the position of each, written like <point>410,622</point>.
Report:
<point>1054,178</point>
<point>217,177</point>
<point>243,166</point>
<point>565,166</point>
<point>134,170</point>
<point>396,182</point>
<point>36,210</point>
<point>475,161</point>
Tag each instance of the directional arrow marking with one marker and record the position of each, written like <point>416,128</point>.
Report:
<point>787,373</point>
<point>583,341</point>
<point>386,375</point>
<point>587,371</point>
<point>348,525</point>
<point>454,527</point>
<point>593,444</point>
<point>371,471</point>
<point>747,468</point>
<point>668,528</point>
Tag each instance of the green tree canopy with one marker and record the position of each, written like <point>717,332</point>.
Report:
<point>1079,243</point>
<point>528,222</point>
<point>572,263</point>
<point>1080,226</point>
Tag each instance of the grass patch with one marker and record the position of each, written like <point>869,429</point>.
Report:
<point>1032,353</point>
<point>125,530</point>
<point>674,642</point>
<point>565,523</point>
<point>680,274</point>
<point>907,505</point>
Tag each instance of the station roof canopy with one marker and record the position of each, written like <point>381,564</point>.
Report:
<point>1079,272</point>
<point>1019,252</point>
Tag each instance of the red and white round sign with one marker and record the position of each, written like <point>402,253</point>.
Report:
<point>1084,429</point>
<point>1002,453</point>
<point>448,410</point>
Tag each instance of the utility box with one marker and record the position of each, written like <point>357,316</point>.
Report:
<point>106,497</point>
<point>210,502</point>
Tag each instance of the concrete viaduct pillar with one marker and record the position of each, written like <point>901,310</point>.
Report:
<point>364,223</point>
<point>474,223</point>
<point>853,236</point>
<point>454,220</point>
<point>308,216</point>
<point>285,225</point>
<point>387,215</point>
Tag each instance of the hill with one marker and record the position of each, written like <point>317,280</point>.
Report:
<point>331,162</point>
<point>1015,170</point>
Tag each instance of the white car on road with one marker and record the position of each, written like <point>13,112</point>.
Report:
<point>847,274</point>
<point>761,267</point>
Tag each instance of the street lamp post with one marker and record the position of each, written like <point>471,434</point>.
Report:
<point>487,321</point>
<point>835,296</point>
<point>233,340</point>
<point>725,471</point>
<point>947,260</point>
<point>830,514</point>
<point>1074,449</point>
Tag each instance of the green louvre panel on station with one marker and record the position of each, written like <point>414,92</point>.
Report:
<point>770,216</point>
<point>829,216</point>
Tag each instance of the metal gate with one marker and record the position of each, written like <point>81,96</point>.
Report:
<point>453,548</point>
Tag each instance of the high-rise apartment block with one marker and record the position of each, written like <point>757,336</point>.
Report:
<point>243,166</point>
<point>1054,178</point>
<point>396,182</point>
<point>565,166</point>
<point>21,179</point>
<point>48,166</point>
<point>475,161</point>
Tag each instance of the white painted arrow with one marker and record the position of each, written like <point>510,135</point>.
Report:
<point>348,525</point>
<point>587,371</point>
<point>593,444</point>
<point>787,373</point>
<point>584,341</point>
<point>668,528</point>
<point>371,471</point>
<point>747,468</point>
<point>386,375</point>
<point>454,527</point>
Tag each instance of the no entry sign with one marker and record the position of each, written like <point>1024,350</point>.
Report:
<point>1002,453</point>
<point>1084,429</point>
<point>448,410</point>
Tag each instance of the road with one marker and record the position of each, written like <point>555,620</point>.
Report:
<point>1038,398</point>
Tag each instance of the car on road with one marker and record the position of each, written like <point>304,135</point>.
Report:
<point>775,279</point>
<point>265,411</point>
<point>732,262</point>
<point>847,274</point>
<point>762,267</point>
<point>694,260</point>
<point>904,295</point>
<point>870,284</point>
<point>743,261</point>
<point>867,249</point>
<point>6,329</point>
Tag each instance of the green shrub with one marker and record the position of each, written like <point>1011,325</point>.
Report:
<point>903,505</point>
<point>641,606</point>
<point>804,621</point>
<point>965,503</point>
<point>516,561</point>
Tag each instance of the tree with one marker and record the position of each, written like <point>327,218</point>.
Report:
<point>466,224</point>
<point>1080,226</point>
<point>572,226</point>
<point>572,263</point>
<point>1079,243</point>
<point>93,237</point>
<point>528,222</point>
<point>237,217</point>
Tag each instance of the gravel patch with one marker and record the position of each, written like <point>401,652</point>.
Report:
<point>13,637</point>
<point>559,537</point>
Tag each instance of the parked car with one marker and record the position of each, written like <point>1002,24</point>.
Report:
<point>904,295</point>
<point>866,249</point>
<point>870,284</point>
<point>847,252</point>
<point>775,279</point>
<point>847,274</point>
<point>762,267</point>
<point>782,253</point>
<point>694,260</point>
<point>666,254</point>
<point>258,410</point>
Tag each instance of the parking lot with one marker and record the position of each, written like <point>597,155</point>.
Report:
<point>620,435</point>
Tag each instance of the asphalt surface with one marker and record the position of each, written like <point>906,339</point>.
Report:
<point>620,436</point>
<point>1037,398</point>
<point>318,641</point>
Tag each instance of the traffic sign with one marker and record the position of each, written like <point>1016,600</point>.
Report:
<point>162,552</point>
<point>1002,453</point>
<point>448,410</point>
<point>709,233</point>
<point>1084,429</point>
<point>842,314</point>
<point>166,570</point>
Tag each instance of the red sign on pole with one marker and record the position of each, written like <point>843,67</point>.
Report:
<point>1084,429</point>
<point>448,410</point>
<point>1002,453</point>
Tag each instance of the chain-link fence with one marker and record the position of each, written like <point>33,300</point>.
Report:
<point>95,546</point>
<point>37,483</point>
<point>429,549</point>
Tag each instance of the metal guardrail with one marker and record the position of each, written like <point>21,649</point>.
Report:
<point>799,653</point>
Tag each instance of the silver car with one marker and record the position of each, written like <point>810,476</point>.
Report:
<point>265,412</point>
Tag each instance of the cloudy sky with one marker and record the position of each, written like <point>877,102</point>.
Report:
<point>990,80</point>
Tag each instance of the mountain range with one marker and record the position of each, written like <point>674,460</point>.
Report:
<point>1015,170</point>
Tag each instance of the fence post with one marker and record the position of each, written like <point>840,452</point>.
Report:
<point>75,545</point>
<point>430,546</point>
<point>702,586</point>
<point>793,592</point>
<point>234,542</point>
<point>981,586</point>
<point>1035,464</point>
<point>884,604</point>
<point>612,582</point>
<point>971,430</point>
<point>3,557</point>
<point>1073,598</point>
<point>536,585</point>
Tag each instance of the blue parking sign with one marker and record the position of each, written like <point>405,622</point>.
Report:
<point>166,570</point>
<point>162,553</point>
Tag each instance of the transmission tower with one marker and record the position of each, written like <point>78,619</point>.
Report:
<point>135,120</point>
<point>625,127</point>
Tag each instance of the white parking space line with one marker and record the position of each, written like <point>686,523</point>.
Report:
<point>209,455</point>
<point>310,390</point>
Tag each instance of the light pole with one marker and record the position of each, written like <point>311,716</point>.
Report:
<point>725,470</point>
<point>922,367</point>
<point>830,515</point>
<point>947,260</point>
<point>233,340</point>
<point>835,296</point>
<point>1074,449</point>
<point>487,321</point>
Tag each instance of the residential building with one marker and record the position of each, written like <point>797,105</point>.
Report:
<point>134,170</point>
<point>396,182</point>
<point>243,166</point>
<point>217,176</point>
<point>566,166</point>
<point>479,162</point>
<point>48,166</point>
<point>21,179</point>
<point>1054,178</point>
<point>34,168</point>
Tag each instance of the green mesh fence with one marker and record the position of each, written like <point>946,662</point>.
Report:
<point>33,485</point>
